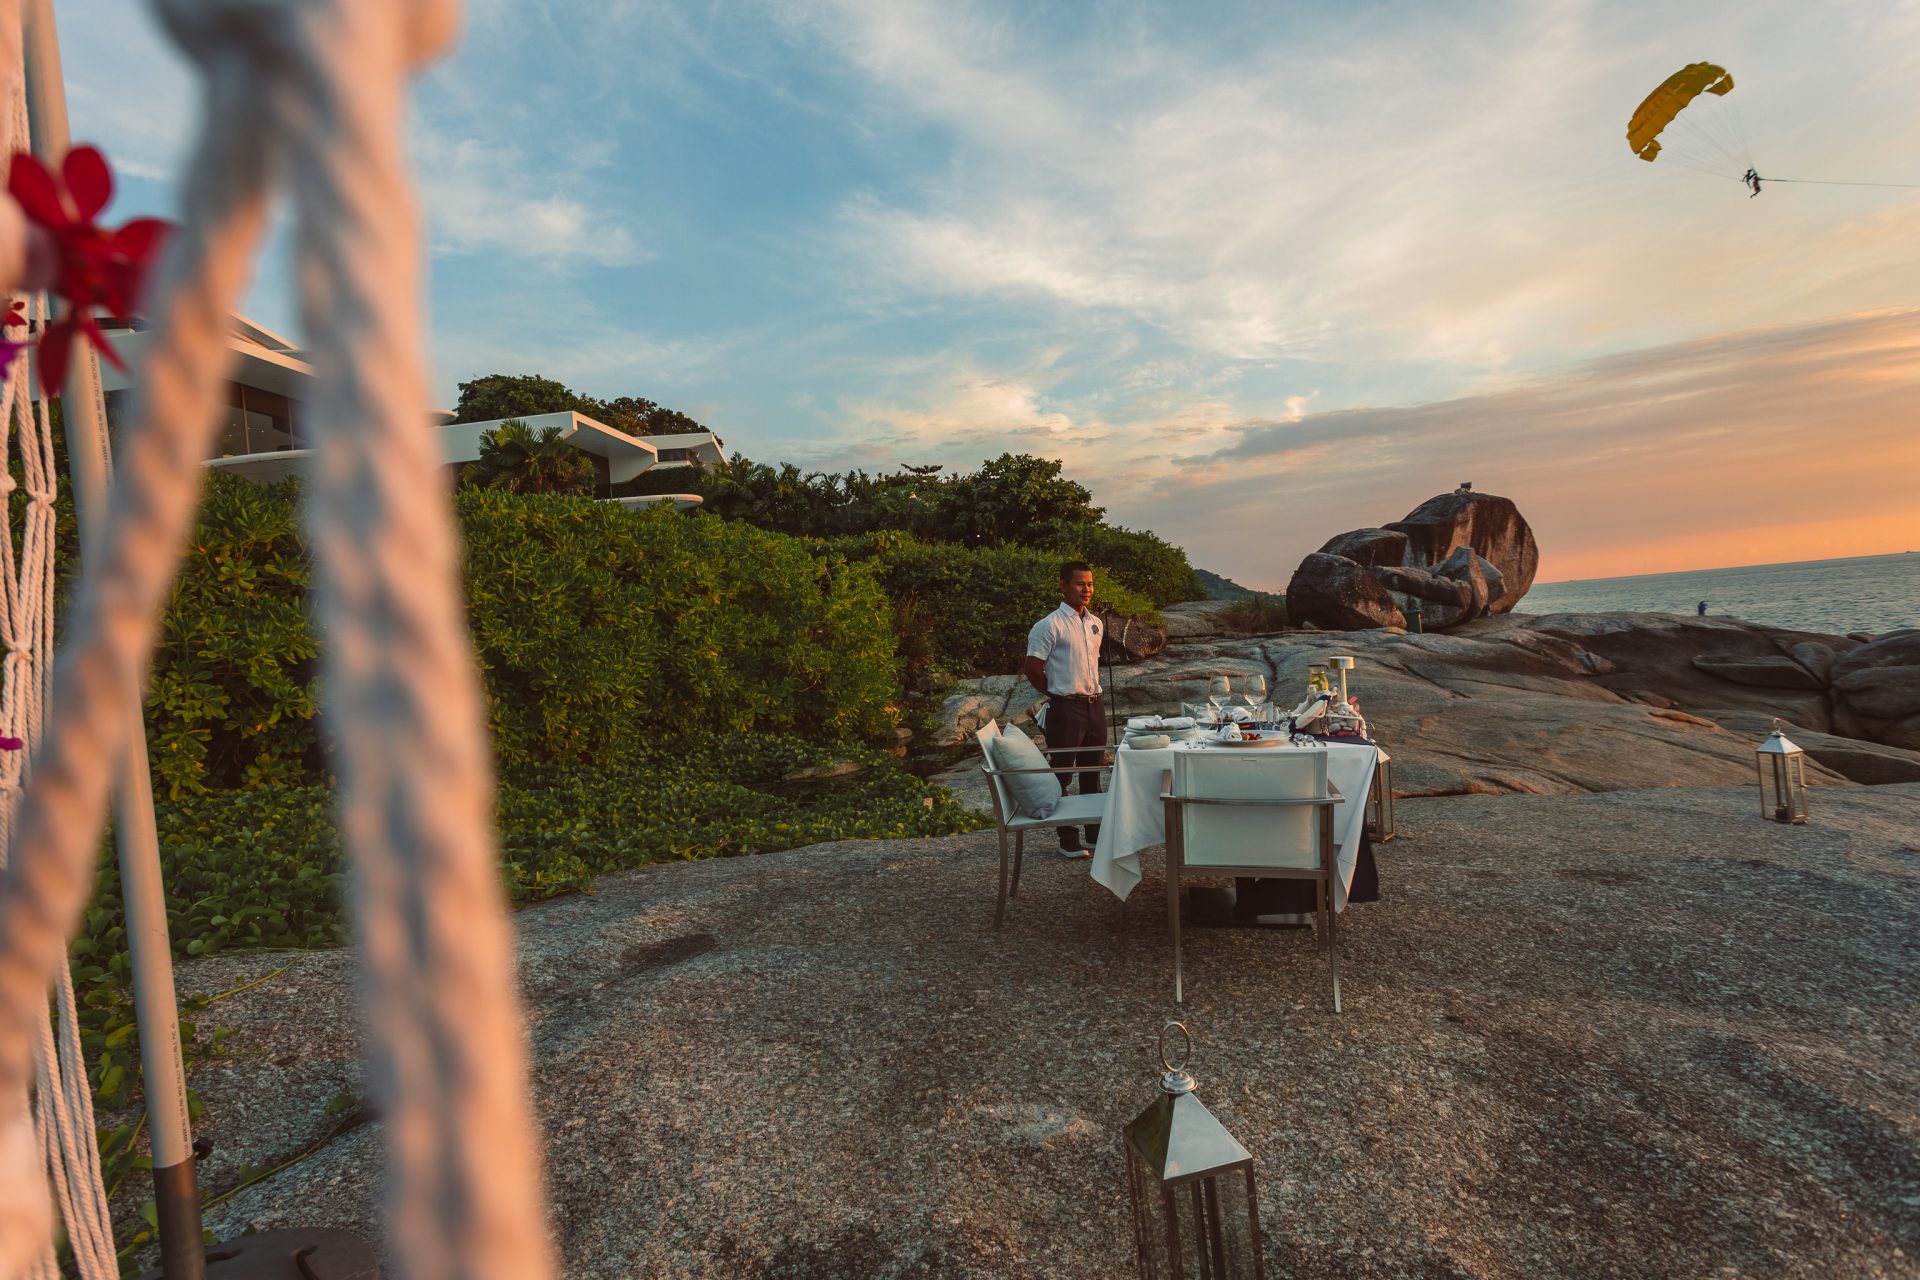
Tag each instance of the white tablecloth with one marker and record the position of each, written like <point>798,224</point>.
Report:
<point>1135,820</point>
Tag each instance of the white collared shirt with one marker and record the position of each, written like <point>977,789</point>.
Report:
<point>1069,643</point>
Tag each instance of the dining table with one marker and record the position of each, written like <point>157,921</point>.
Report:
<point>1135,820</point>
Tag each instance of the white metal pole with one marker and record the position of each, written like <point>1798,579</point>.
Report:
<point>176,1193</point>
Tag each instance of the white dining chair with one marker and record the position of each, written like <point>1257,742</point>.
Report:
<point>1253,813</point>
<point>1075,810</point>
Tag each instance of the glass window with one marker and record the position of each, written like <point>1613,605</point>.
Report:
<point>232,441</point>
<point>269,421</point>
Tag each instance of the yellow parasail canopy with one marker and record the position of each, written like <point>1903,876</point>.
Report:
<point>1666,102</point>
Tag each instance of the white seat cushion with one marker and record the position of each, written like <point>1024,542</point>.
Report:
<point>1071,811</point>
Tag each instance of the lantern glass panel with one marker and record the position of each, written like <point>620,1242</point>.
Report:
<point>1783,787</point>
<point>1216,1226</point>
<point>1198,1229</point>
<point>1152,1229</point>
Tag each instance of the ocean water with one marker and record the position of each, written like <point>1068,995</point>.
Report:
<point>1866,593</point>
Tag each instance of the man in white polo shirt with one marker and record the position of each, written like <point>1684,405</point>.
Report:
<point>1063,662</point>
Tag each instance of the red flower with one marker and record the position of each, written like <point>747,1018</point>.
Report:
<point>15,317</point>
<point>11,744</point>
<point>8,350</point>
<point>98,267</point>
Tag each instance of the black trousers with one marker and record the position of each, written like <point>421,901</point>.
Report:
<point>1075,722</point>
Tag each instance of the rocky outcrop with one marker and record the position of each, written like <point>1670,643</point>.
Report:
<point>1457,557</point>
<point>1193,620</point>
<point>1876,690</point>
<point>1334,592</point>
<point>1564,703</point>
<point>1768,672</point>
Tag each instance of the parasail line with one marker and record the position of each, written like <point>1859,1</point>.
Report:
<point>1835,182</point>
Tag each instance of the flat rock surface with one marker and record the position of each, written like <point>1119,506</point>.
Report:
<point>1556,704</point>
<point>1637,1034</point>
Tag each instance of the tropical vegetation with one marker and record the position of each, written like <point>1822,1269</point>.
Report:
<point>518,459</point>
<point>500,395</point>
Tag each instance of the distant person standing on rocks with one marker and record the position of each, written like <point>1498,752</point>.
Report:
<point>1703,608</point>
<point>1063,662</point>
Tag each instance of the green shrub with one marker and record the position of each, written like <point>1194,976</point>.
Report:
<point>600,628</point>
<point>973,606</point>
<point>595,625</point>
<point>235,676</point>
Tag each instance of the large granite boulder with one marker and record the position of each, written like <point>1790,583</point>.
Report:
<point>1466,567</point>
<point>1492,526</point>
<point>1369,546</point>
<point>1455,591</point>
<point>1336,593</point>
<point>1876,690</point>
<point>1433,591</point>
<point>1460,556</point>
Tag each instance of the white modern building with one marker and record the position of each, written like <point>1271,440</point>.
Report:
<point>261,440</point>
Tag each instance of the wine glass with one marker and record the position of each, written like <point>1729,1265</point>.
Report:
<point>1218,695</point>
<point>1254,690</point>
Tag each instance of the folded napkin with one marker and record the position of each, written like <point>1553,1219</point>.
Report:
<point>1147,741</point>
<point>1177,722</point>
<point>1240,715</point>
<point>1228,732</point>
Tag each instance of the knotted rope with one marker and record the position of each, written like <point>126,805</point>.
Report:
<point>62,1101</point>
<point>313,91</point>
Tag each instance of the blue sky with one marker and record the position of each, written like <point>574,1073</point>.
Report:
<point>1257,273</point>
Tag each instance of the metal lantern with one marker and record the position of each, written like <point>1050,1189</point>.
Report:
<point>1342,663</point>
<point>1380,800</point>
<point>1196,1215</point>
<point>1783,778</point>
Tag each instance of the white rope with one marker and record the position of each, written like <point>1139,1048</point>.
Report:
<point>316,88</point>
<point>62,1099</point>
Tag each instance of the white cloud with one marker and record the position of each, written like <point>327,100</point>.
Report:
<point>1774,443</point>
<point>1356,185</point>
<point>483,196</point>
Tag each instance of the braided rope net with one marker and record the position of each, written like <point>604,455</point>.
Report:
<point>309,95</point>
<point>61,1100</point>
